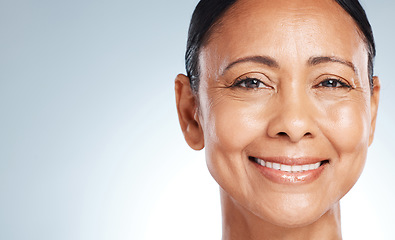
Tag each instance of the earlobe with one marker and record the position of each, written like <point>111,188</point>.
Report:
<point>374,104</point>
<point>187,113</point>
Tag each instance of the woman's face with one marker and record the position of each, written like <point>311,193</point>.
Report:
<point>286,82</point>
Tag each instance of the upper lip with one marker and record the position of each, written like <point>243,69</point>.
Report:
<point>292,161</point>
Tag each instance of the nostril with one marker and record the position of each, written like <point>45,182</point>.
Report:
<point>308,134</point>
<point>294,135</point>
<point>282,134</point>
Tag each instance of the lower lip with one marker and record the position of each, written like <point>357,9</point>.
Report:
<point>282,177</point>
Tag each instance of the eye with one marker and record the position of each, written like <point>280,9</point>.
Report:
<point>333,83</point>
<point>251,83</point>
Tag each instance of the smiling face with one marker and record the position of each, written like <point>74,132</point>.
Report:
<point>285,107</point>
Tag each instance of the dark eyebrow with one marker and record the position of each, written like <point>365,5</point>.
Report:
<point>265,60</point>
<point>324,59</point>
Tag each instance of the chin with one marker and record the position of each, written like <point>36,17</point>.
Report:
<point>297,214</point>
<point>293,220</point>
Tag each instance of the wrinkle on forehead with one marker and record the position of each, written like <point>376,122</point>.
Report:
<point>284,12</point>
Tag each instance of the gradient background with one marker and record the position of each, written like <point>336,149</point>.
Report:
<point>90,146</point>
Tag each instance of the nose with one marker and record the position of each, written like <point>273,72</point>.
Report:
<point>293,118</point>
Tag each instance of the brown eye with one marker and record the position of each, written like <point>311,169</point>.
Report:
<point>250,83</point>
<point>333,83</point>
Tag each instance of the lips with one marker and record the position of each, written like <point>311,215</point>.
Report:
<point>287,170</point>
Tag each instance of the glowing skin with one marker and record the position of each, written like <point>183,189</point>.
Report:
<point>284,82</point>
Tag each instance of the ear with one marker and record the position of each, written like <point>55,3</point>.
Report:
<point>374,104</point>
<point>188,113</point>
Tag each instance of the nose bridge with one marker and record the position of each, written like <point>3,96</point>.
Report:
<point>293,102</point>
<point>293,115</point>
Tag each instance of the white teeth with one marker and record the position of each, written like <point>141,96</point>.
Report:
<point>305,167</point>
<point>296,168</point>
<point>288,168</point>
<point>261,162</point>
<point>276,166</point>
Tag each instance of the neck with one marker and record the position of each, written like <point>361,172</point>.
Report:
<point>239,223</point>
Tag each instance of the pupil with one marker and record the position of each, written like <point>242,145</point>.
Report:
<point>331,83</point>
<point>253,83</point>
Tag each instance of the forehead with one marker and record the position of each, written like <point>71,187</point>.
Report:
<point>284,28</point>
<point>289,8</point>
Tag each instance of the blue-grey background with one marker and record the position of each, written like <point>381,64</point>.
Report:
<point>90,146</point>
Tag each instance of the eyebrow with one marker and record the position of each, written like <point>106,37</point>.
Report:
<point>265,60</point>
<point>313,61</point>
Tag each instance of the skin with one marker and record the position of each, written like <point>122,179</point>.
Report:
<point>293,112</point>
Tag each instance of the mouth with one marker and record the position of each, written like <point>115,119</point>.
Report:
<point>297,171</point>
<point>289,168</point>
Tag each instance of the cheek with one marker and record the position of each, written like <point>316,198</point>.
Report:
<point>229,128</point>
<point>348,133</point>
<point>348,127</point>
<point>232,126</point>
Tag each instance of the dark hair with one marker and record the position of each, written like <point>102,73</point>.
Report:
<point>208,12</point>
